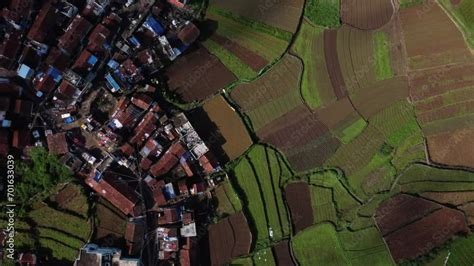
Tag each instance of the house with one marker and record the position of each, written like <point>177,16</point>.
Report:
<point>75,33</point>
<point>57,143</point>
<point>27,259</point>
<point>144,129</point>
<point>112,21</point>
<point>134,235</point>
<point>188,33</point>
<point>20,139</point>
<point>85,63</point>
<point>45,82</point>
<point>115,190</point>
<point>99,40</point>
<point>93,255</point>
<point>25,72</point>
<point>9,48</point>
<point>58,59</point>
<point>156,188</point>
<point>184,258</point>
<point>169,216</point>
<point>168,160</point>
<point>67,92</point>
<point>23,107</point>
<point>142,100</point>
<point>208,163</point>
<point>178,3</point>
<point>44,23</point>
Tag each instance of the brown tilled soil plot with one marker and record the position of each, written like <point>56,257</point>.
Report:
<point>253,60</point>
<point>229,238</point>
<point>304,139</point>
<point>283,14</point>
<point>332,63</point>
<point>197,75</point>
<point>366,14</point>
<point>332,114</point>
<point>453,148</point>
<point>282,254</point>
<point>468,209</point>
<point>231,127</point>
<point>298,198</point>
<point>427,47</point>
<point>401,210</point>
<point>422,236</point>
<point>453,198</point>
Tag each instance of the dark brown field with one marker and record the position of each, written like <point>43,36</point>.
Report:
<point>298,198</point>
<point>253,60</point>
<point>367,14</point>
<point>332,63</point>
<point>282,254</point>
<point>422,236</point>
<point>401,210</point>
<point>198,75</point>
<point>229,238</point>
<point>453,148</point>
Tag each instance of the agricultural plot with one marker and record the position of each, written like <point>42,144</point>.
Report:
<point>259,176</point>
<point>198,75</point>
<point>264,44</point>
<point>365,247</point>
<point>410,225</point>
<point>272,95</point>
<point>263,257</point>
<point>283,254</point>
<point>109,225</point>
<point>57,229</point>
<point>325,13</point>
<point>461,251</point>
<point>322,202</point>
<point>367,15</point>
<point>453,148</point>
<point>462,11</point>
<point>229,238</point>
<point>239,68</point>
<point>298,198</point>
<point>235,136</point>
<point>422,51</point>
<point>228,201</point>
<point>281,14</point>
<point>316,88</point>
<point>419,172</point>
<point>383,68</point>
<point>326,245</point>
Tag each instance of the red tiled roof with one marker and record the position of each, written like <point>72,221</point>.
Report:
<point>44,84</point>
<point>142,100</point>
<point>189,33</point>
<point>184,259</point>
<point>168,160</point>
<point>66,90</point>
<point>57,143</point>
<point>186,167</point>
<point>112,21</point>
<point>58,59</point>
<point>23,107</point>
<point>76,31</point>
<point>10,46</point>
<point>169,216</point>
<point>156,188</point>
<point>115,191</point>
<point>145,164</point>
<point>43,22</point>
<point>183,188</point>
<point>145,128</point>
<point>81,65</point>
<point>206,164</point>
<point>99,37</point>
<point>127,149</point>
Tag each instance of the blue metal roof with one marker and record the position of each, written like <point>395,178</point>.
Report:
<point>25,71</point>
<point>112,82</point>
<point>113,64</point>
<point>154,25</point>
<point>92,60</point>
<point>55,74</point>
<point>134,41</point>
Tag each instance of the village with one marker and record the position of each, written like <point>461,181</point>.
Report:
<point>83,75</point>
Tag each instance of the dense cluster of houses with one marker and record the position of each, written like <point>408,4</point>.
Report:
<point>146,160</point>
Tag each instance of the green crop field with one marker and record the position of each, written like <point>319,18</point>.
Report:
<point>323,205</point>
<point>461,252</point>
<point>324,249</point>
<point>464,16</point>
<point>263,257</point>
<point>242,262</point>
<point>420,172</point>
<point>262,191</point>
<point>323,12</point>
<point>228,201</point>
<point>383,68</point>
<point>354,130</point>
<point>232,62</point>
<point>316,88</point>
<point>266,45</point>
<point>410,3</point>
